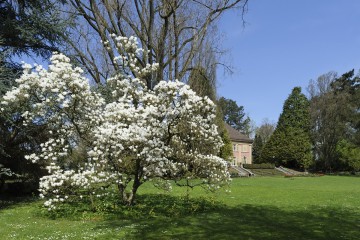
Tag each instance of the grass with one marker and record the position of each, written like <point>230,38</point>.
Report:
<point>257,208</point>
<point>266,172</point>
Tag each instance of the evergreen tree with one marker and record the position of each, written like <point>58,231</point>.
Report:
<point>226,151</point>
<point>290,143</point>
<point>8,72</point>
<point>27,28</point>
<point>349,154</point>
<point>234,115</point>
<point>31,27</point>
<point>257,148</point>
<point>347,89</point>
<point>263,134</point>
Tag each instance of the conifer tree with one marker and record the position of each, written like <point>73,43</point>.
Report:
<point>27,28</point>
<point>234,115</point>
<point>347,89</point>
<point>257,148</point>
<point>290,144</point>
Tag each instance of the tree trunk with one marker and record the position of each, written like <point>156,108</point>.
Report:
<point>131,197</point>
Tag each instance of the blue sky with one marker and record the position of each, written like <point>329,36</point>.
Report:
<point>284,44</point>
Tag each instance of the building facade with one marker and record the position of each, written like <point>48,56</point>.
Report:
<point>242,146</point>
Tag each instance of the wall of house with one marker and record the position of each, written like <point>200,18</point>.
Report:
<point>242,153</point>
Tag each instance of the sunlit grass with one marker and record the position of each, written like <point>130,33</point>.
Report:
<point>256,208</point>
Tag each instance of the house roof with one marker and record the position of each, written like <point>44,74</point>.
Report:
<point>237,136</point>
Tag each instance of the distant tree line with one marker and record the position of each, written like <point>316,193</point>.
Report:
<point>319,133</point>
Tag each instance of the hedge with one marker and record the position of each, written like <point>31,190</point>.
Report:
<point>259,166</point>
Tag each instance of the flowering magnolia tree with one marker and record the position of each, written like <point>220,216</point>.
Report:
<point>133,136</point>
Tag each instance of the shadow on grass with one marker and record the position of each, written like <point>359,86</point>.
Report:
<point>8,201</point>
<point>168,217</point>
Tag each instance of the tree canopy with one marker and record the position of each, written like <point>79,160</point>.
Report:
<point>32,27</point>
<point>290,143</point>
<point>172,33</point>
<point>334,104</point>
<point>234,115</point>
<point>176,35</point>
<point>139,134</point>
<point>257,148</point>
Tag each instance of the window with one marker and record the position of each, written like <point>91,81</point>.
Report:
<point>234,147</point>
<point>244,148</point>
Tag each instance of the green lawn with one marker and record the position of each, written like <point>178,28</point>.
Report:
<point>257,208</point>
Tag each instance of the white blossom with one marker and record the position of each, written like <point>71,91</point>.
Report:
<point>166,133</point>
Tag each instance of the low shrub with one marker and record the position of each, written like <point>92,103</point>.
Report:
<point>233,173</point>
<point>304,175</point>
<point>345,173</point>
<point>260,166</point>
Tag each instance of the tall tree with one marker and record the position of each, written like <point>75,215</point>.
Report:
<point>166,133</point>
<point>257,148</point>
<point>204,85</point>
<point>347,88</point>
<point>265,130</point>
<point>290,143</point>
<point>234,115</point>
<point>171,32</point>
<point>35,29</point>
<point>262,135</point>
<point>326,124</point>
<point>349,154</point>
<point>334,104</point>
<point>8,72</point>
<point>31,27</point>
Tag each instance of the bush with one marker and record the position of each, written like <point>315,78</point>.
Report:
<point>233,173</point>
<point>260,166</point>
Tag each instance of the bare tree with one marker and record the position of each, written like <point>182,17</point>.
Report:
<point>171,32</point>
<point>265,130</point>
<point>321,85</point>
